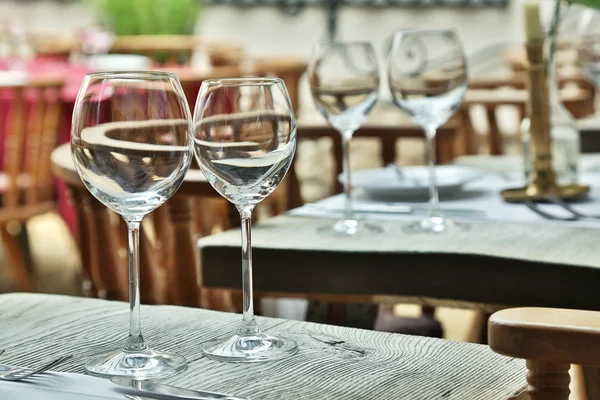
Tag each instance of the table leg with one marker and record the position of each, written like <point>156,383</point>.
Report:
<point>84,239</point>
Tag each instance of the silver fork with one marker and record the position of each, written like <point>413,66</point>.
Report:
<point>18,373</point>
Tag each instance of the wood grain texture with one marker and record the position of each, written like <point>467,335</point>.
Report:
<point>333,362</point>
<point>491,263</point>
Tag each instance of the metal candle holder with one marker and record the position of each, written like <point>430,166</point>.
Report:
<point>542,180</point>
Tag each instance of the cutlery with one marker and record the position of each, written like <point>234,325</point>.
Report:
<point>153,388</point>
<point>395,208</point>
<point>18,373</point>
<point>558,201</point>
<point>536,209</point>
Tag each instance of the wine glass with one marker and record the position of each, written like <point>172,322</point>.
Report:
<point>130,143</point>
<point>427,73</point>
<point>344,81</point>
<point>244,140</point>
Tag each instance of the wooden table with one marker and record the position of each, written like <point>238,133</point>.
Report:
<point>490,266</point>
<point>333,363</point>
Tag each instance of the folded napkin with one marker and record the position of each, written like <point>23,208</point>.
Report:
<point>62,386</point>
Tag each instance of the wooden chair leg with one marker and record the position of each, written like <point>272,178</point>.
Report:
<point>163,231</point>
<point>150,290</point>
<point>294,195</point>
<point>466,141</point>
<point>591,379</point>
<point>548,381</point>
<point>184,285</point>
<point>84,239</point>
<point>445,149</point>
<point>337,154</point>
<point>110,272</point>
<point>495,137</point>
<point>388,149</point>
<point>16,260</point>
<point>23,237</point>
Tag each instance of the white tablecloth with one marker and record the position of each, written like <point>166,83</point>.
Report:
<point>479,195</point>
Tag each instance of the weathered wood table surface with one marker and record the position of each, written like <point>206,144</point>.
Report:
<point>332,363</point>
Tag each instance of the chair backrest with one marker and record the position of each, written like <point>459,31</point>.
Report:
<point>55,46</point>
<point>288,69</point>
<point>29,133</point>
<point>162,49</point>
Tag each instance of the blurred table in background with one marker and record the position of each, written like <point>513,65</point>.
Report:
<point>508,258</point>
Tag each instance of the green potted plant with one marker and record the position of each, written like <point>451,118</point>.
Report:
<point>161,29</point>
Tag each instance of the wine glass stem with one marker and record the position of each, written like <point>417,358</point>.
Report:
<point>434,201</point>
<point>135,341</point>
<point>248,326</point>
<point>346,136</point>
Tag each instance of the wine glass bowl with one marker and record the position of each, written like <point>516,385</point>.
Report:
<point>244,141</point>
<point>130,144</point>
<point>427,75</point>
<point>344,82</point>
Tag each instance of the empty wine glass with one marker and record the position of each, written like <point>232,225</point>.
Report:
<point>344,81</point>
<point>427,73</point>
<point>245,139</point>
<point>131,146</point>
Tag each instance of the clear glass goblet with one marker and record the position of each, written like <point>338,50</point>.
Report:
<point>130,143</point>
<point>344,81</point>
<point>244,140</point>
<point>427,72</point>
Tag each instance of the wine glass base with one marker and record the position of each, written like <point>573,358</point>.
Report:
<point>350,227</point>
<point>141,365</point>
<point>249,348</point>
<point>435,224</point>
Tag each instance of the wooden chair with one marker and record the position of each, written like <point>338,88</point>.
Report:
<point>54,46</point>
<point>178,49</point>
<point>31,130</point>
<point>488,94</point>
<point>163,49</point>
<point>551,340</point>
